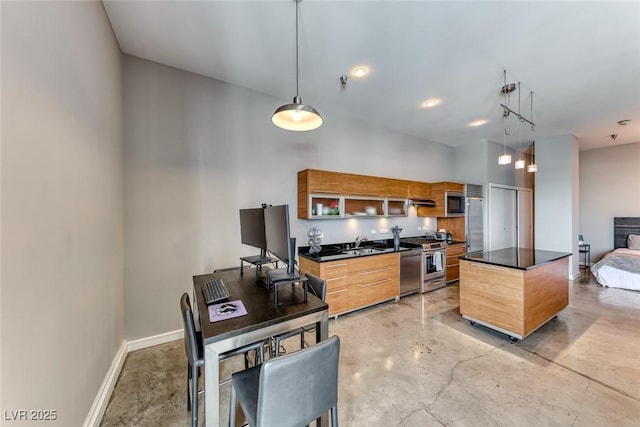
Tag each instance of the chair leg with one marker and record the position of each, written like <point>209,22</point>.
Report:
<point>272,349</point>
<point>195,373</point>
<point>188,386</point>
<point>246,360</point>
<point>260,355</point>
<point>232,407</point>
<point>301,339</point>
<point>334,416</point>
<point>277,347</point>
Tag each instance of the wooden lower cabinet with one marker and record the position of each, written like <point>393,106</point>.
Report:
<point>453,263</point>
<point>355,283</point>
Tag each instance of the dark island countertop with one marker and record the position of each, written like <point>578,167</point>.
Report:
<point>520,258</point>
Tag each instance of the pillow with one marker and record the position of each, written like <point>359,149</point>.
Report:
<point>633,241</point>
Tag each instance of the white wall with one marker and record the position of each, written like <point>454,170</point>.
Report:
<point>608,178</point>
<point>197,150</point>
<point>556,196</point>
<point>62,202</point>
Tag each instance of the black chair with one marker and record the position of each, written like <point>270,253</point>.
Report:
<point>289,391</point>
<point>318,287</point>
<point>195,356</point>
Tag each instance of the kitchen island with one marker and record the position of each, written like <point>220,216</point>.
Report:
<point>513,290</point>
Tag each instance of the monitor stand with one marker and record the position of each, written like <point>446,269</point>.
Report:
<point>282,274</point>
<point>258,261</point>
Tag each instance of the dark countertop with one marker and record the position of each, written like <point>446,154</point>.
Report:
<point>520,258</point>
<point>336,251</point>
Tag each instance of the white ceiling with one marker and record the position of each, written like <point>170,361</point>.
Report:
<point>581,60</point>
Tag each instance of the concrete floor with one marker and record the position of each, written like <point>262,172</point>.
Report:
<point>418,363</point>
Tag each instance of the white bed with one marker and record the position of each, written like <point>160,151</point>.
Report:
<point>621,267</point>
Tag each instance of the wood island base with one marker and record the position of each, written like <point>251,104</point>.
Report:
<point>514,301</point>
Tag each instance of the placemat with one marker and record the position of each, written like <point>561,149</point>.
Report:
<point>214,316</point>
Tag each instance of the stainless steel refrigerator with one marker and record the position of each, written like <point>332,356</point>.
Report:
<point>473,217</point>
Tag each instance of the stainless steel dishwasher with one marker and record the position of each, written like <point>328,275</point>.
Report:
<point>411,271</point>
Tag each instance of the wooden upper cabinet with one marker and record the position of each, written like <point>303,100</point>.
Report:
<point>312,181</point>
<point>323,181</point>
<point>453,187</point>
<point>437,195</point>
<point>396,188</point>
<point>419,190</point>
<point>438,190</point>
<point>330,188</point>
<point>362,185</point>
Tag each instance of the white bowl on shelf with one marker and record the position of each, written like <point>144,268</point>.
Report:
<point>371,210</point>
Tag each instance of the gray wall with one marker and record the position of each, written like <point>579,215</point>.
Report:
<point>470,163</point>
<point>197,150</point>
<point>62,224</point>
<point>478,163</point>
<point>608,188</point>
<point>556,196</point>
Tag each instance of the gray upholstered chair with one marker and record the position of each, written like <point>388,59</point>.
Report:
<point>195,356</point>
<point>291,390</point>
<point>318,287</point>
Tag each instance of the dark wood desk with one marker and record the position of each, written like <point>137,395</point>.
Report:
<point>263,320</point>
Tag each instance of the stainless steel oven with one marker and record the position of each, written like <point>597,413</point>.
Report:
<point>434,262</point>
<point>435,267</point>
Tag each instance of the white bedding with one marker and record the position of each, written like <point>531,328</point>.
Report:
<point>619,269</point>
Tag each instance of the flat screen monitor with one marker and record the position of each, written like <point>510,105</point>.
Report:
<point>276,228</point>
<point>252,228</point>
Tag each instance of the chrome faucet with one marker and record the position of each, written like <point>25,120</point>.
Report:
<point>360,239</point>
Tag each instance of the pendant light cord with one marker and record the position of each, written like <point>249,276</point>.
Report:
<point>504,136</point>
<point>297,66</point>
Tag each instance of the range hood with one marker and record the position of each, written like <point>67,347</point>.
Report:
<point>424,202</point>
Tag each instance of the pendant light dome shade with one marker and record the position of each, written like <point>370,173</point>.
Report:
<point>297,116</point>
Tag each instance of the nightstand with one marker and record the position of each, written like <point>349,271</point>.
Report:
<point>584,248</point>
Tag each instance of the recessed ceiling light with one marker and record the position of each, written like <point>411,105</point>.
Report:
<point>477,123</point>
<point>360,71</point>
<point>430,103</point>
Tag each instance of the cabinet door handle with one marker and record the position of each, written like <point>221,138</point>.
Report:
<point>376,271</point>
<point>336,265</point>
<point>487,267</point>
<point>335,278</point>
<point>377,282</point>
<point>452,265</point>
<point>337,292</point>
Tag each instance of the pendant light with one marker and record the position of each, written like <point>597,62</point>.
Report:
<point>297,116</point>
<point>504,158</point>
<point>520,162</point>
<point>532,167</point>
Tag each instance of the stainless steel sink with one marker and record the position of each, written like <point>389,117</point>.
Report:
<point>361,251</point>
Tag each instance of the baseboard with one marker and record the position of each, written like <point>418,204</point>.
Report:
<point>155,340</point>
<point>104,393</point>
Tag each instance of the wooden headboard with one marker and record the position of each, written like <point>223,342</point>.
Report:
<point>622,227</point>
